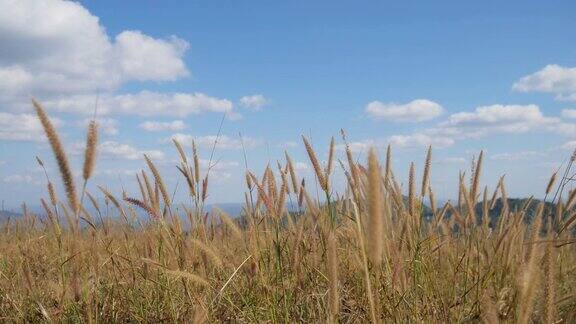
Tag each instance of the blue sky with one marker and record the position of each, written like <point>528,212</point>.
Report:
<point>492,76</point>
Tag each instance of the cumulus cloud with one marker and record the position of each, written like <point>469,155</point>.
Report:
<point>143,58</point>
<point>360,146</point>
<point>515,156</point>
<point>553,78</point>
<point>144,103</point>
<point>20,179</point>
<point>22,127</point>
<point>414,111</point>
<point>497,119</point>
<point>253,102</point>
<point>496,114</point>
<point>451,160</point>
<point>112,149</point>
<point>569,113</point>
<point>224,142</point>
<point>117,172</point>
<point>485,121</point>
<point>55,47</point>
<point>399,141</point>
<point>154,126</point>
<point>420,139</point>
<point>59,52</point>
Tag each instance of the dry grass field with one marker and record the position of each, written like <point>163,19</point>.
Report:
<point>363,255</point>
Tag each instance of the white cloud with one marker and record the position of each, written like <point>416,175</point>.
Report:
<point>154,126</point>
<point>288,144</point>
<point>117,172</point>
<point>497,119</point>
<point>569,113</point>
<point>224,142</point>
<point>144,103</point>
<point>20,179</point>
<point>451,160</point>
<point>54,46</point>
<point>23,127</point>
<point>359,146</point>
<point>58,52</point>
<point>498,114</point>
<point>485,121</point>
<point>414,111</point>
<point>420,139</point>
<point>112,149</point>
<point>553,78</point>
<point>142,57</point>
<point>253,102</point>
<point>220,176</point>
<point>399,141</point>
<point>516,156</point>
<point>301,166</point>
<point>570,145</point>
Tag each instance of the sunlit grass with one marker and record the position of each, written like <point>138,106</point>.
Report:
<point>363,255</point>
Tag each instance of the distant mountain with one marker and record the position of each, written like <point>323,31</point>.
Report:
<point>235,209</point>
<point>514,205</point>
<point>5,215</point>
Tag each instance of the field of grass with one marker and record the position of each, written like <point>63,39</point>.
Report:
<point>363,255</point>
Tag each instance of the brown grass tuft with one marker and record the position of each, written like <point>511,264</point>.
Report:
<point>60,155</point>
<point>375,221</point>
<point>315,164</point>
<point>426,176</point>
<point>90,152</point>
<point>159,180</point>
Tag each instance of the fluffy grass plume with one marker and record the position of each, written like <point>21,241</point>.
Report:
<point>59,154</point>
<point>375,217</point>
<point>90,152</point>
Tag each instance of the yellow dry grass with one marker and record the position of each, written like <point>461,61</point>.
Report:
<point>364,255</point>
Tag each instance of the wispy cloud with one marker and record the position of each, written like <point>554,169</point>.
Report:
<point>413,111</point>
<point>481,122</point>
<point>254,102</point>
<point>224,142</point>
<point>360,146</point>
<point>155,126</point>
<point>117,150</point>
<point>420,139</point>
<point>143,103</point>
<point>569,113</point>
<point>23,127</point>
<point>21,179</point>
<point>516,156</point>
<point>500,119</point>
<point>554,79</point>
<point>451,160</point>
<point>114,149</point>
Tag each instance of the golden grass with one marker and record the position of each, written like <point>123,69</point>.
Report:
<point>90,153</point>
<point>364,255</point>
<point>60,155</point>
